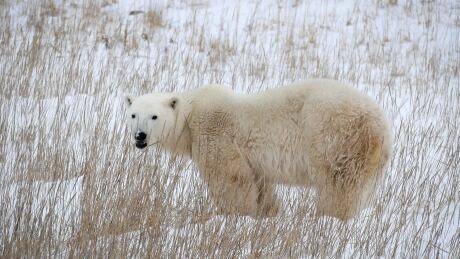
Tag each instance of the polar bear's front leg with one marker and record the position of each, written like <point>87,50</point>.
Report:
<point>236,188</point>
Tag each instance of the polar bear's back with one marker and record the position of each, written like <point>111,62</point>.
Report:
<point>294,113</point>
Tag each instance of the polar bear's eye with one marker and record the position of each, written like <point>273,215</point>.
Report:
<point>154,117</point>
<point>133,116</point>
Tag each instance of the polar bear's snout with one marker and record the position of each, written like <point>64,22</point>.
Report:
<point>140,139</point>
<point>140,136</point>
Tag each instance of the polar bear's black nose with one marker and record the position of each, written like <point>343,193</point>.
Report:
<point>140,136</point>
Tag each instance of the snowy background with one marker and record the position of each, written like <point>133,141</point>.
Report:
<point>72,183</point>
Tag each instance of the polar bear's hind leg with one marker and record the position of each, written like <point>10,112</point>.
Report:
<point>355,157</point>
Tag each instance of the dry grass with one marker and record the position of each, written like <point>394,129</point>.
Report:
<point>72,184</point>
<point>153,18</point>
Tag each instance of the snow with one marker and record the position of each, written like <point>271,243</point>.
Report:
<point>405,38</point>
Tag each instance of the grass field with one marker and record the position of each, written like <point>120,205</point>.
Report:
<point>72,183</point>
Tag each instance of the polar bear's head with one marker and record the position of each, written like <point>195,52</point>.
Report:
<point>151,117</point>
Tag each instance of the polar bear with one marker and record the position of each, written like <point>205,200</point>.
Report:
<point>316,133</point>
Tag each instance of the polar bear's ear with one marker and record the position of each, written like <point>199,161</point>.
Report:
<point>129,99</point>
<point>173,102</point>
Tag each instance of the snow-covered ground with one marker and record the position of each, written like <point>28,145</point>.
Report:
<point>69,172</point>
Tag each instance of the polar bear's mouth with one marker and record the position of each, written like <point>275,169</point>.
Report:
<point>141,145</point>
